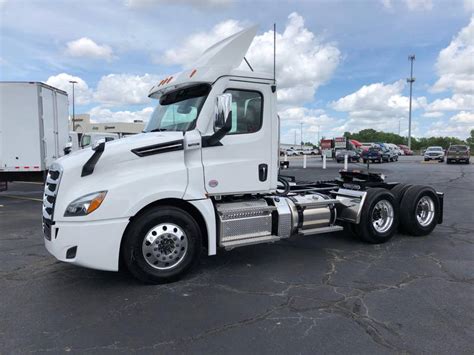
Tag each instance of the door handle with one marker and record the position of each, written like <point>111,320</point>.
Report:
<point>262,172</point>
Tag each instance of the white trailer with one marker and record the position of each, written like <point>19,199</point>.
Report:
<point>33,129</point>
<point>205,175</point>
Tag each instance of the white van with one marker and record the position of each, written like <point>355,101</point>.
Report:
<point>89,139</point>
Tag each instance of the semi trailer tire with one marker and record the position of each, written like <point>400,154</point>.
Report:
<point>419,210</point>
<point>161,245</point>
<point>379,217</point>
<point>399,191</point>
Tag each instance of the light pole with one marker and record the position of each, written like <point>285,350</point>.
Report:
<point>301,134</point>
<point>410,80</point>
<point>73,106</point>
<point>319,129</point>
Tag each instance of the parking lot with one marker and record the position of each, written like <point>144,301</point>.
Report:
<point>325,293</point>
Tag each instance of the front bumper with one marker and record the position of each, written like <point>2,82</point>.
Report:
<point>434,157</point>
<point>458,159</point>
<point>94,245</point>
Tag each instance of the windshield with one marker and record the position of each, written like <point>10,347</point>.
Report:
<point>435,148</point>
<point>178,110</point>
<point>459,148</point>
<point>86,140</point>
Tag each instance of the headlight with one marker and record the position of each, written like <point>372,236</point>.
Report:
<point>85,204</point>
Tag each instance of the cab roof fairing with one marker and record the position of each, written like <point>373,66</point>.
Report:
<point>218,60</point>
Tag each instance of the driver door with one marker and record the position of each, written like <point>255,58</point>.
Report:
<point>240,164</point>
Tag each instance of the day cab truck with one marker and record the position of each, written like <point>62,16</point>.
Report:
<point>205,175</point>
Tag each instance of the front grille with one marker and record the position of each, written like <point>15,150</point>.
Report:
<point>49,198</point>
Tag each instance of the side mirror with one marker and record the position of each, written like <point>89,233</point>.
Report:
<point>222,119</point>
<point>223,112</point>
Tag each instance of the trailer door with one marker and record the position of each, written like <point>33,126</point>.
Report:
<point>51,152</point>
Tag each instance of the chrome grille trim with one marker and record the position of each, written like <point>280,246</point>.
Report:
<point>51,190</point>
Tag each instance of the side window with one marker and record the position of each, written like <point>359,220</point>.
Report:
<point>247,111</point>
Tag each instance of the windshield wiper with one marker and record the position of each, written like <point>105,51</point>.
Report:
<point>158,130</point>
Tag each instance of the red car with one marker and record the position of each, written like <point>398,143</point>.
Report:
<point>405,149</point>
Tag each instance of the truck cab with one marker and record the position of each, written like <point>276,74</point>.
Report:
<point>203,175</point>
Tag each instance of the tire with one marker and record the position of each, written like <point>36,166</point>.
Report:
<point>399,191</point>
<point>380,161</point>
<point>366,230</point>
<point>365,161</point>
<point>414,217</point>
<point>157,223</point>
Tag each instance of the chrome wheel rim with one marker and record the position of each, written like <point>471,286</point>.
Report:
<point>165,246</point>
<point>382,216</point>
<point>425,211</point>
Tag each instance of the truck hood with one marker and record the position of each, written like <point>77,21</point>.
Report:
<point>117,151</point>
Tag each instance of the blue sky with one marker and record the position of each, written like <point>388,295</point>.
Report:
<point>342,65</point>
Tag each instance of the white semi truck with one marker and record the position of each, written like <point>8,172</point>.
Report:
<point>33,129</point>
<point>205,175</point>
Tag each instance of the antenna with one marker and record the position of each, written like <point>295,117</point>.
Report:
<point>274,53</point>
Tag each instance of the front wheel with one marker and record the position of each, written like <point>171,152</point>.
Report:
<point>162,244</point>
<point>419,210</point>
<point>379,218</point>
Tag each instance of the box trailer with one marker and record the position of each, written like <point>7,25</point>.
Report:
<point>33,129</point>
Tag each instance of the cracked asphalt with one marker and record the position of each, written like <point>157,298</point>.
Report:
<point>320,294</point>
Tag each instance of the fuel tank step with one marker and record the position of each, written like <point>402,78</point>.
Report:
<point>321,230</point>
<point>231,244</point>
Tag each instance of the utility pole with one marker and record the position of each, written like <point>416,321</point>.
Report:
<point>410,80</point>
<point>301,134</point>
<point>319,129</point>
<point>399,120</point>
<point>73,106</point>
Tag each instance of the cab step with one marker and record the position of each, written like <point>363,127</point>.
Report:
<point>321,230</point>
<point>231,244</point>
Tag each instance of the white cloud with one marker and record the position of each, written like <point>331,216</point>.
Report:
<point>454,103</point>
<point>124,89</point>
<point>103,114</point>
<point>304,61</point>
<point>434,114</point>
<point>412,5</point>
<point>87,48</point>
<point>458,126</point>
<point>195,3</point>
<point>82,92</point>
<point>463,117</point>
<point>455,64</point>
<point>419,4</point>
<point>315,122</point>
<point>378,101</point>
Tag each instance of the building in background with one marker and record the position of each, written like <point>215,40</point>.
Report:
<point>83,124</point>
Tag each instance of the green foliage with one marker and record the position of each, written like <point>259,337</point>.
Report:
<point>371,135</point>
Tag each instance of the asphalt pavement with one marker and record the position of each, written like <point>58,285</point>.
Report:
<point>322,294</point>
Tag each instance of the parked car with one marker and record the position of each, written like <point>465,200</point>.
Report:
<point>352,156</point>
<point>395,148</point>
<point>372,154</point>
<point>366,146</point>
<point>389,154</point>
<point>291,152</point>
<point>405,149</point>
<point>458,153</point>
<point>434,153</point>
